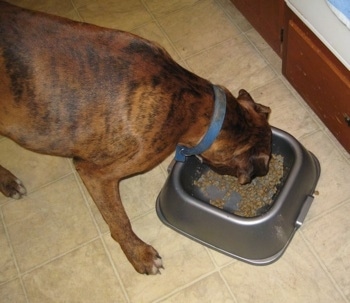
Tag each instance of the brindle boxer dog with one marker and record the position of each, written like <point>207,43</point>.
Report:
<point>118,105</point>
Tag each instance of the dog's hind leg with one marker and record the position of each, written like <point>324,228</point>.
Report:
<point>103,186</point>
<point>10,185</point>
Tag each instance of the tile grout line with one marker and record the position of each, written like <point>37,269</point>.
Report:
<point>315,118</point>
<point>210,47</point>
<point>169,12</point>
<point>42,186</point>
<point>261,55</point>
<point>101,236</point>
<point>244,33</point>
<point>227,286</point>
<point>184,59</point>
<point>217,269</point>
<point>115,270</point>
<point>155,19</point>
<point>86,202</point>
<point>180,288</point>
<point>328,211</point>
<point>55,258</point>
<point>226,41</point>
<point>217,266</point>
<point>77,11</point>
<point>323,266</point>
<point>302,102</point>
<point>19,275</point>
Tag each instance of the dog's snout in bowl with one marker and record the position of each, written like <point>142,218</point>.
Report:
<point>245,168</point>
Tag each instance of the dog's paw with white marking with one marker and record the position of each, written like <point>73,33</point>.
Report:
<point>151,262</point>
<point>17,189</point>
<point>11,186</point>
<point>145,259</point>
<point>157,265</point>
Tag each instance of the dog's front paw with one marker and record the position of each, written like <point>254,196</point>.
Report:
<point>150,261</point>
<point>11,186</point>
<point>157,265</point>
<point>145,260</point>
<point>15,189</point>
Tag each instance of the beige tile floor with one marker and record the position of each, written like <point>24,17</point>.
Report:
<point>55,246</point>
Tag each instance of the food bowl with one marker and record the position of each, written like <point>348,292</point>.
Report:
<point>260,240</point>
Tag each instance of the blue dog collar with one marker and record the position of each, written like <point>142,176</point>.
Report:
<point>214,129</point>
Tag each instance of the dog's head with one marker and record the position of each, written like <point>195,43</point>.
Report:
<point>243,147</point>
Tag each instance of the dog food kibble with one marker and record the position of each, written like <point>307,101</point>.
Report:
<point>249,200</point>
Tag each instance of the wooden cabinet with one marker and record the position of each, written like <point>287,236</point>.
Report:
<point>267,18</point>
<point>313,70</point>
<point>318,76</point>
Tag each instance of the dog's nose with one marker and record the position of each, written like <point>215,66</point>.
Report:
<point>262,165</point>
<point>243,179</point>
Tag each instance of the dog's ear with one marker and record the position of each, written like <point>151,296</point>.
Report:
<point>262,109</point>
<point>244,96</point>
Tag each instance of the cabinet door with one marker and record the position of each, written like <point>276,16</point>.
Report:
<point>319,77</point>
<point>267,18</point>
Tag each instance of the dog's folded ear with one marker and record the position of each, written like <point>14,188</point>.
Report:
<point>262,109</point>
<point>243,95</point>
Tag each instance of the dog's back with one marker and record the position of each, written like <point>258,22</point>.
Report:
<point>71,77</point>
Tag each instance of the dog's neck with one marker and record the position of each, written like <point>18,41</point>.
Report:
<point>213,130</point>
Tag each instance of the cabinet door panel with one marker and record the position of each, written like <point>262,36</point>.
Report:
<point>320,78</point>
<point>267,18</point>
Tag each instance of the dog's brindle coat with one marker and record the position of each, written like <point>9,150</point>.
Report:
<point>118,105</point>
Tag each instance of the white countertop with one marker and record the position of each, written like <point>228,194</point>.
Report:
<point>317,15</point>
